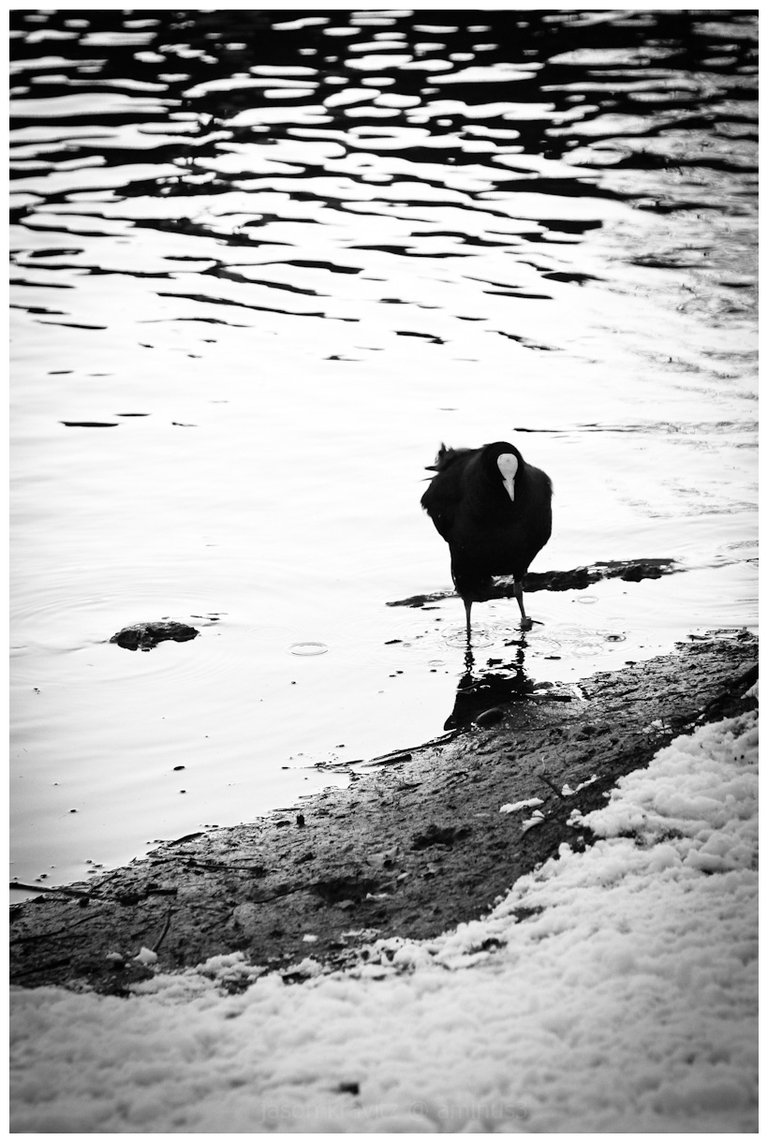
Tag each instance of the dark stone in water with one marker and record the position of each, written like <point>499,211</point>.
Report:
<point>575,579</point>
<point>145,636</point>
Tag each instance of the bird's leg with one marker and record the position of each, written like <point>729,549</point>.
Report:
<point>525,623</point>
<point>468,608</point>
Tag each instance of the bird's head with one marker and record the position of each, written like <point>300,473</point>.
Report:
<point>503,461</point>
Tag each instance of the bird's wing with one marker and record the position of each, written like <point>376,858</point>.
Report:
<point>442,499</point>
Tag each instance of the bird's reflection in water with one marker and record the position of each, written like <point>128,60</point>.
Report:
<point>501,682</point>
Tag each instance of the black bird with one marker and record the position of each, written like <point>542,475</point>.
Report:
<point>495,513</point>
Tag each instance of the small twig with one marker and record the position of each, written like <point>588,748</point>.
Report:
<point>49,889</point>
<point>225,867</point>
<point>166,927</point>
<point>196,863</point>
<point>552,786</point>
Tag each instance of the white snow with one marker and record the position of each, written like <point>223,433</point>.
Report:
<point>567,792</point>
<point>536,818</point>
<point>610,990</point>
<point>146,956</point>
<point>513,807</point>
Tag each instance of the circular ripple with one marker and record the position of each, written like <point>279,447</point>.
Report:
<point>547,644</point>
<point>458,638</point>
<point>308,648</point>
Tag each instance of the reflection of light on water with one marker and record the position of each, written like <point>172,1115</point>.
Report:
<point>317,316</point>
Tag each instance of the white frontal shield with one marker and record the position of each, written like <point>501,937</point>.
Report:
<point>508,464</point>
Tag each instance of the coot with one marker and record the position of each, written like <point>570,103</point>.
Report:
<point>495,513</point>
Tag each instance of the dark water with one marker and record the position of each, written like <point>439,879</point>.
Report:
<point>263,263</point>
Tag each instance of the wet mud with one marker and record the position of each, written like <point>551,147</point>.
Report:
<point>415,845</point>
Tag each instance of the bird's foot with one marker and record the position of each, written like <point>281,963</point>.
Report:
<point>525,623</point>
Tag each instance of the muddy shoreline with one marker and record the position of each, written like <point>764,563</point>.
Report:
<point>415,845</point>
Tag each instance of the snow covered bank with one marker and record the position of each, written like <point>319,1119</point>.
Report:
<point>611,990</point>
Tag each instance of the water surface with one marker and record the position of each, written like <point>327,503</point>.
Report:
<point>263,264</point>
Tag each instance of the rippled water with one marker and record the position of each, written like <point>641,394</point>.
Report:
<point>263,263</point>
